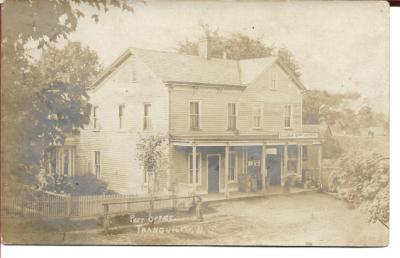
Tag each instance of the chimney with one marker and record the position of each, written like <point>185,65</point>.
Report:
<point>204,48</point>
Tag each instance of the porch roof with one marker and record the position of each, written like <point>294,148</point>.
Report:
<point>246,140</point>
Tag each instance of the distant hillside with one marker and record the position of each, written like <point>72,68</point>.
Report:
<point>379,144</point>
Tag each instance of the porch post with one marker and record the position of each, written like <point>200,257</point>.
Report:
<point>299,159</point>
<point>263,174</point>
<point>320,166</point>
<point>194,167</point>
<point>226,170</point>
<point>285,153</point>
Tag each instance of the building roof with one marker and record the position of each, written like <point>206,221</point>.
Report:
<point>180,68</point>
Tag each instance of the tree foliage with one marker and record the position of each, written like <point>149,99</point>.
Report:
<point>73,64</point>
<point>152,156</point>
<point>362,179</point>
<point>36,24</point>
<point>238,46</point>
<point>322,106</point>
<point>336,109</point>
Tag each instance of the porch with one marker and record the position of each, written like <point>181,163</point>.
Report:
<point>238,195</point>
<point>251,167</point>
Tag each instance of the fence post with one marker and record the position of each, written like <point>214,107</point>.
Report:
<point>173,199</point>
<point>69,205</point>
<point>199,213</point>
<point>106,219</point>
<point>23,206</point>
<point>151,211</point>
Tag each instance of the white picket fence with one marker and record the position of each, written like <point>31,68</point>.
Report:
<point>56,205</point>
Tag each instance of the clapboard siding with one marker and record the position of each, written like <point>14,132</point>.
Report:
<point>214,106</point>
<point>119,164</point>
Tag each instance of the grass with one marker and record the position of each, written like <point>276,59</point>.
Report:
<point>379,144</point>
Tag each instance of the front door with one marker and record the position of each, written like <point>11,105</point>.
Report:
<point>273,165</point>
<point>213,173</point>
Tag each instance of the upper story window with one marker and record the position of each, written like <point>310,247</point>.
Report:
<point>194,115</point>
<point>147,117</point>
<point>121,111</point>
<point>257,115</point>
<point>274,80</point>
<point>95,118</point>
<point>288,114</point>
<point>232,116</point>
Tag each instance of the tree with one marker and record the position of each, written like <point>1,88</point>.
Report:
<point>153,158</point>
<point>23,22</point>
<point>287,58</point>
<point>238,46</point>
<point>366,117</point>
<point>73,64</point>
<point>322,106</point>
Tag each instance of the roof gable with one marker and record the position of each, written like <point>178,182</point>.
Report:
<point>179,68</point>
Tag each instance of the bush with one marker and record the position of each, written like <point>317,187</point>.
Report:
<point>363,180</point>
<point>331,148</point>
<point>79,185</point>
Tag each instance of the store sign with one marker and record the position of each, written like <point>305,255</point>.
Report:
<point>253,163</point>
<point>272,151</point>
<point>297,135</point>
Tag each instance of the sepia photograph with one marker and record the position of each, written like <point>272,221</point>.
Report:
<point>195,123</point>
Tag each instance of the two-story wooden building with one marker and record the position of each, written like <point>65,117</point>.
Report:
<point>232,125</point>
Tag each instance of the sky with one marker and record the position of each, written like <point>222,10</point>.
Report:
<point>340,46</point>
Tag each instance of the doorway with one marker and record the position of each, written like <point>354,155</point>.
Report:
<point>213,168</point>
<point>273,165</point>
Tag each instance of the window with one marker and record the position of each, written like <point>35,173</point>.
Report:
<point>274,80</point>
<point>194,114</point>
<point>62,161</point>
<point>147,117</point>
<point>121,109</point>
<point>197,172</point>
<point>232,166</point>
<point>94,118</point>
<point>97,164</point>
<point>66,162</point>
<point>232,116</point>
<point>257,115</point>
<point>288,116</point>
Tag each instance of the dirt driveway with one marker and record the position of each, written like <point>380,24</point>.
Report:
<point>301,219</point>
